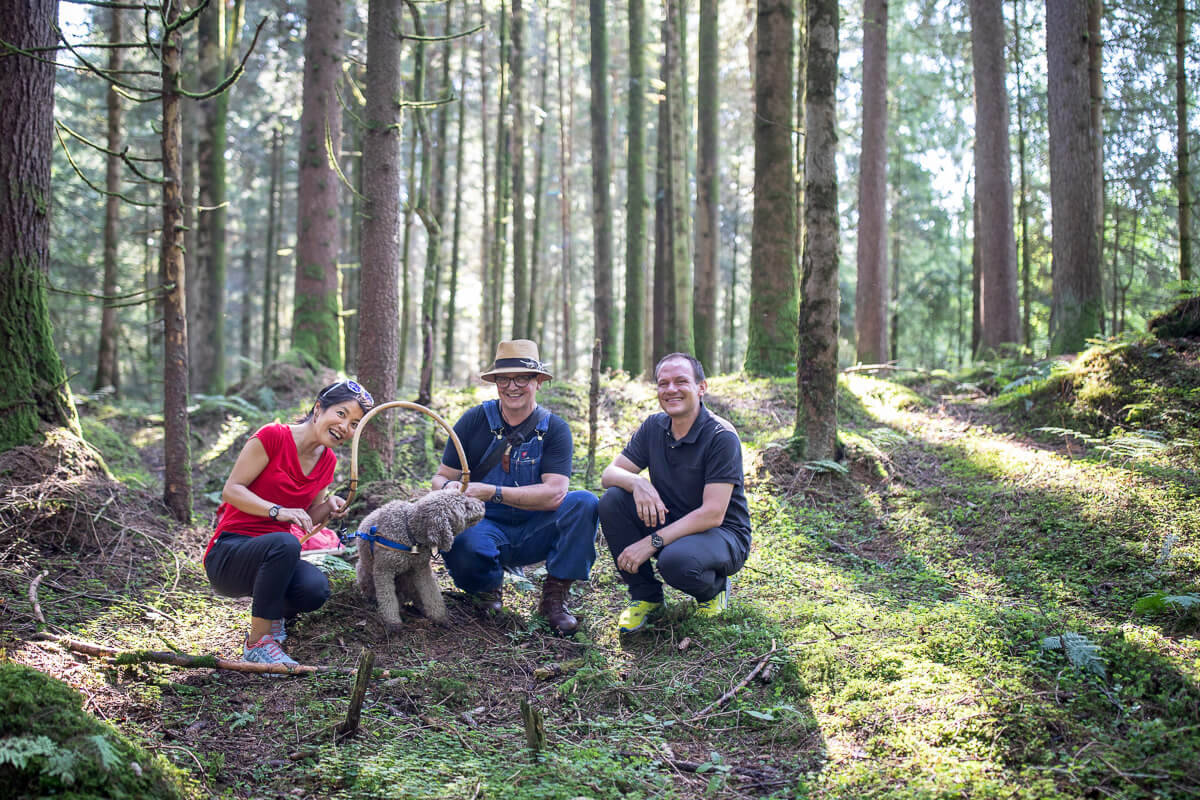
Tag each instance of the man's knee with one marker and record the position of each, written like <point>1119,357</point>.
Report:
<point>612,506</point>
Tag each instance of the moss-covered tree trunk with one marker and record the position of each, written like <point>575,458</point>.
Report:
<point>1000,311</point>
<point>708,190</point>
<point>33,384</point>
<point>177,457</point>
<point>108,374</point>
<point>602,217</point>
<point>316,313</point>
<point>818,327</point>
<point>772,323</point>
<point>871,289</point>
<point>380,254</point>
<point>1023,178</point>
<point>1077,305</point>
<point>635,198</point>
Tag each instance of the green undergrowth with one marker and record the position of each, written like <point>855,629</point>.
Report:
<point>50,747</point>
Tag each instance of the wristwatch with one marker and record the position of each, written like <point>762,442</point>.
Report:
<point>656,542</point>
<point>498,495</point>
<point>273,512</point>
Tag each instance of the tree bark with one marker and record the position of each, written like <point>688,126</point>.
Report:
<point>270,301</point>
<point>316,313</point>
<point>1183,153</point>
<point>773,310</point>
<point>177,471</point>
<point>602,218</point>
<point>33,383</point>
<point>1023,201</point>
<point>1077,305</point>
<point>108,373</point>
<point>520,268</point>
<point>448,350</point>
<point>708,189</point>
<point>662,297</point>
<point>380,255</point>
<point>818,326</point>
<point>999,309</point>
<point>635,203</point>
<point>680,332</point>
<point>871,294</point>
<point>566,123</point>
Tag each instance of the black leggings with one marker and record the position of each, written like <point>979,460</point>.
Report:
<point>269,569</point>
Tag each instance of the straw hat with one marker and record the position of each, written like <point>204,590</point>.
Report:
<point>516,356</point>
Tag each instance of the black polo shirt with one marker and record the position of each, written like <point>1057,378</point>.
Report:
<point>710,453</point>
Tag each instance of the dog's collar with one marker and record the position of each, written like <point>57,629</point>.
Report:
<point>375,538</point>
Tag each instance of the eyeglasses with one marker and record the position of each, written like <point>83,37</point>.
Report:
<point>520,380</point>
<point>360,394</point>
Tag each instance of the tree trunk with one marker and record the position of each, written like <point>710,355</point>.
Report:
<point>539,286</point>
<point>448,350</point>
<point>412,192</point>
<point>818,326</point>
<point>635,203</point>
<point>708,189</point>
<point>270,301</point>
<point>33,384</point>
<point>1096,93</point>
<point>247,322</point>
<point>1076,308</point>
<point>729,349</point>
<point>871,295</point>
<point>602,218</point>
<point>107,361</point>
<point>1000,311</point>
<point>380,255</point>
<point>520,269</point>
<point>680,333</point>
<point>894,333</point>
<point>177,471</point>
<point>773,321</point>
<point>486,334</point>
<point>1183,153</point>
<point>1023,201</point>
<point>316,313</point>
<point>566,124</point>
<point>503,199</point>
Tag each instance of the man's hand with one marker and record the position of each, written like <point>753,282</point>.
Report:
<point>636,554</point>
<point>650,508</point>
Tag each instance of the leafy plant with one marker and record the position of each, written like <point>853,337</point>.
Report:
<point>1160,602</point>
<point>1080,651</point>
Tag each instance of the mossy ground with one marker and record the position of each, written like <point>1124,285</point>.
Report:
<point>910,614</point>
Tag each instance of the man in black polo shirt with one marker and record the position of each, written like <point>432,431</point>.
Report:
<point>690,513</point>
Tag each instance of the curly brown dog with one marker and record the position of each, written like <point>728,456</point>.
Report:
<point>394,576</point>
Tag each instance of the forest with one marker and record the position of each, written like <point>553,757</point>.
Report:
<point>935,257</point>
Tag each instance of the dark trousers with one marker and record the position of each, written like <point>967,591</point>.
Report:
<point>268,568</point>
<point>697,564</point>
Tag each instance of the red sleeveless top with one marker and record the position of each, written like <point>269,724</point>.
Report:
<point>283,482</point>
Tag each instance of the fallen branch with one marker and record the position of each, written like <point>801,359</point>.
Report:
<point>33,601</point>
<point>725,698</point>
<point>129,657</point>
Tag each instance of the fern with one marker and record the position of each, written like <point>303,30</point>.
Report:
<point>108,756</point>
<point>228,402</point>
<point>1080,651</point>
<point>1161,601</point>
<point>1064,432</point>
<point>40,755</point>
<point>826,465</point>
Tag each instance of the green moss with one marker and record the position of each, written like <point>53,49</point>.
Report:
<point>49,746</point>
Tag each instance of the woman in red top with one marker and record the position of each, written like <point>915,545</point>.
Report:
<point>274,487</point>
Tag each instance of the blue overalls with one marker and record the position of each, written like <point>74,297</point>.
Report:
<point>514,537</point>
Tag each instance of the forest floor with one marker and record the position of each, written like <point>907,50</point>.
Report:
<point>997,600</point>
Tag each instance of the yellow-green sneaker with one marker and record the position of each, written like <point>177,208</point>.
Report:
<point>715,606</point>
<point>637,614</point>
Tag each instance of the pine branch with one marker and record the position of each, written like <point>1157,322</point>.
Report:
<point>92,186</point>
<point>233,77</point>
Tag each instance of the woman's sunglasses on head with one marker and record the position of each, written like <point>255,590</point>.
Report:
<point>355,388</point>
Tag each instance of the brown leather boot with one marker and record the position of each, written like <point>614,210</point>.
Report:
<point>490,602</point>
<point>553,606</point>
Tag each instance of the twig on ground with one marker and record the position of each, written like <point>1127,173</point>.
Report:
<point>33,600</point>
<point>723,699</point>
<point>129,657</point>
<point>366,660</point>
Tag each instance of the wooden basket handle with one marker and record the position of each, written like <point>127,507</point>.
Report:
<point>362,423</point>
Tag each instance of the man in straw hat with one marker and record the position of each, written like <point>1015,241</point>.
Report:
<point>690,513</point>
<point>520,461</point>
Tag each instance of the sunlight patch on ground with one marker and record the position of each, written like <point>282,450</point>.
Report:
<point>232,429</point>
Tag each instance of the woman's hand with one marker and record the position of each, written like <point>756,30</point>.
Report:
<point>337,507</point>
<point>297,516</point>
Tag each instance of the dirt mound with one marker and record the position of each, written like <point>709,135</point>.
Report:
<point>1183,320</point>
<point>61,494</point>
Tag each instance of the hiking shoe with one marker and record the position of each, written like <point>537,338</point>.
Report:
<point>637,614</point>
<point>267,651</point>
<point>278,632</point>
<point>715,606</point>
